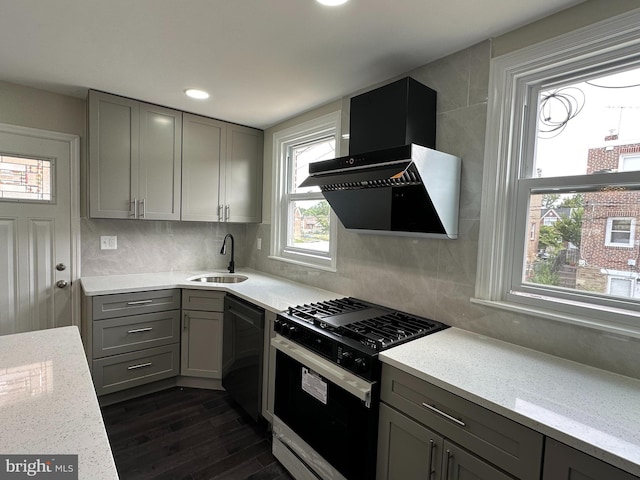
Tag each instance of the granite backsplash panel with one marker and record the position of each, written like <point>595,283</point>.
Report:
<point>158,246</point>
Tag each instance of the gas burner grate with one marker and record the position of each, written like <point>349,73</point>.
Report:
<point>389,330</point>
<point>319,310</point>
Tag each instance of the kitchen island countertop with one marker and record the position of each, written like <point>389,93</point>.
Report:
<point>48,406</point>
<point>594,411</point>
<point>269,292</point>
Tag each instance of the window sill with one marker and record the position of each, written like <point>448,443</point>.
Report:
<point>582,321</point>
<point>302,263</point>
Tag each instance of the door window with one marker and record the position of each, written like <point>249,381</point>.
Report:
<point>26,179</point>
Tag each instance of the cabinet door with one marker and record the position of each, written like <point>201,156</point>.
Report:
<point>113,155</point>
<point>562,462</point>
<point>458,464</point>
<point>242,188</point>
<point>406,449</point>
<point>201,352</point>
<point>203,149</point>
<point>160,163</point>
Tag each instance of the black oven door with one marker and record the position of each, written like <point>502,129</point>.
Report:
<point>336,423</point>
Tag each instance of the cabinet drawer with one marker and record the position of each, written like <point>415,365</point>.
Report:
<point>507,444</point>
<point>118,372</point>
<point>127,334</point>
<point>203,300</point>
<point>119,305</point>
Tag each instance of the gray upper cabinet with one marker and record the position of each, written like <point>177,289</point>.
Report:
<point>203,151</point>
<point>242,191</point>
<point>160,163</point>
<point>134,159</point>
<point>222,171</point>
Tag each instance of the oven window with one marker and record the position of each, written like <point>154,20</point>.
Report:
<point>338,426</point>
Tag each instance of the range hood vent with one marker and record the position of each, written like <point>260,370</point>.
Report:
<point>409,190</point>
<point>393,181</point>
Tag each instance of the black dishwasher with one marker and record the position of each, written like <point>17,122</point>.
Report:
<point>242,353</point>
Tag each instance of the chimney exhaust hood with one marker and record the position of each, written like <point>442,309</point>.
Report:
<point>393,181</point>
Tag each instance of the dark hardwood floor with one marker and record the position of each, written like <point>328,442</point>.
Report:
<point>189,434</point>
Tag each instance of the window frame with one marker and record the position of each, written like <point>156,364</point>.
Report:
<point>608,242</point>
<point>515,80</point>
<point>322,127</point>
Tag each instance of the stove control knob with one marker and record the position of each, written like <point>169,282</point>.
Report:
<point>347,359</point>
<point>291,331</point>
<point>361,365</point>
<point>277,326</point>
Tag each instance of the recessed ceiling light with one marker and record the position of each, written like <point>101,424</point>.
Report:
<point>195,93</point>
<point>332,3</point>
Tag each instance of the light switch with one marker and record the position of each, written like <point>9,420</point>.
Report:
<point>108,242</point>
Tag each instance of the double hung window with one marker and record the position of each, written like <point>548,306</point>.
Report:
<point>563,146</point>
<point>304,227</point>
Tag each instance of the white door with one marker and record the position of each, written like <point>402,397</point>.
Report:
<point>38,229</point>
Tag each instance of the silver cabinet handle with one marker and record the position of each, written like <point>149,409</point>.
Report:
<point>140,330</point>
<point>141,365</point>
<point>432,447</point>
<point>227,212</point>
<point>134,208</point>
<point>62,283</point>
<point>140,302</point>
<point>445,415</point>
<point>446,465</point>
<point>220,213</point>
<point>185,325</point>
<point>61,267</point>
<point>143,208</point>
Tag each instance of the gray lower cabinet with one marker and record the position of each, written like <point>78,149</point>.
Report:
<point>408,449</point>
<point>201,346</point>
<point>455,438</point>
<point>562,462</point>
<point>135,154</point>
<point>221,171</point>
<point>135,338</point>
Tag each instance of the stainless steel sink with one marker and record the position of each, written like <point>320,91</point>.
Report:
<point>218,278</point>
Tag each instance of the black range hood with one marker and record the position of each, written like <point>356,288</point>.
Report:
<point>393,181</point>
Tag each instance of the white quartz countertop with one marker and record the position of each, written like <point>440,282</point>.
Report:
<point>48,405</point>
<point>269,292</point>
<point>589,409</point>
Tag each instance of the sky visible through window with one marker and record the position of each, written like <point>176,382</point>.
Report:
<point>574,118</point>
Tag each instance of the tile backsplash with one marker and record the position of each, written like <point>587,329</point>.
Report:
<point>157,246</point>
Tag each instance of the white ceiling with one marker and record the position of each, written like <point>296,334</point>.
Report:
<point>262,60</point>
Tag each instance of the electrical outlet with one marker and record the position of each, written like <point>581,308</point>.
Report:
<point>259,243</point>
<point>108,242</point>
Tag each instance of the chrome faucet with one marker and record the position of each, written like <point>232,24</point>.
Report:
<point>223,251</point>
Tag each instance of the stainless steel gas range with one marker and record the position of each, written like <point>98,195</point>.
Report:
<point>327,384</point>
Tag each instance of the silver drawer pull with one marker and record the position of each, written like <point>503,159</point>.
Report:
<point>140,330</point>
<point>140,302</point>
<point>445,415</point>
<point>141,365</point>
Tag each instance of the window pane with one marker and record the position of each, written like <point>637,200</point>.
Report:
<point>25,178</point>
<point>302,155</point>
<point>589,242</point>
<point>310,225</point>
<point>589,127</point>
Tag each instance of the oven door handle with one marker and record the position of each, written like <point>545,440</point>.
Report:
<point>353,384</point>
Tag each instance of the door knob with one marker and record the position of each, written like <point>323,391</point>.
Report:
<point>61,283</point>
<point>60,267</point>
